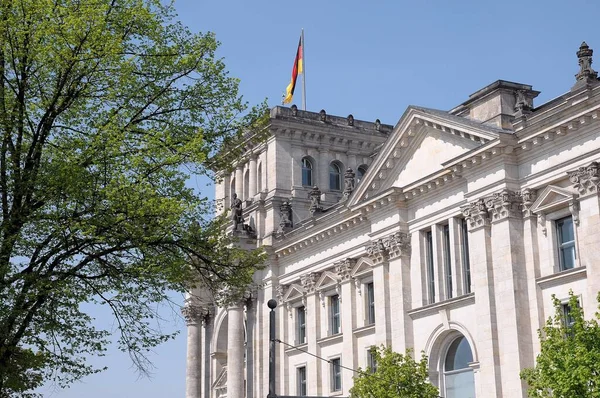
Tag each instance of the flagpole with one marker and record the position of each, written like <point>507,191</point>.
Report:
<point>303,74</point>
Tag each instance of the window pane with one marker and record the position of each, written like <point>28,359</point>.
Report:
<point>336,375</point>
<point>459,355</point>
<point>301,325</point>
<point>447,261</point>
<point>306,172</point>
<point>430,274</point>
<point>460,385</point>
<point>465,255</point>
<point>301,377</point>
<point>566,243</point>
<point>567,257</point>
<point>335,177</point>
<point>360,172</point>
<point>334,307</point>
<point>370,303</point>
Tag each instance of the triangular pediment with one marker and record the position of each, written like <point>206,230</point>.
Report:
<point>421,142</point>
<point>361,267</point>
<point>294,291</point>
<point>327,279</point>
<point>551,198</point>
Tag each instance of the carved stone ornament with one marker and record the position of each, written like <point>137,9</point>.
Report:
<point>350,120</point>
<point>315,200</point>
<point>476,213</point>
<point>585,63</point>
<point>195,314</point>
<point>323,115</point>
<point>343,269</point>
<point>378,125</point>
<point>308,282</point>
<point>285,217</point>
<point>280,292</point>
<point>586,180</point>
<point>397,244</point>
<point>377,251</point>
<point>349,183</point>
<point>504,204</point>
<point>294,110</point>
<point>528,196</point>
<point>542,222</point>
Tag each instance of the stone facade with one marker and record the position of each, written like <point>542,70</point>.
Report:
<point>451,227</point>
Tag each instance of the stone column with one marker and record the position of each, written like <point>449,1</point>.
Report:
<point>586,180</point>
<point>239,181</point>
<point>193,315</point>
<point>378,252</point>
<point>235,350</point>
<point>252,184</point>
<point>510,289</point>
<point>313,319</point>
<point>482,280</point>
<point>343,270</point>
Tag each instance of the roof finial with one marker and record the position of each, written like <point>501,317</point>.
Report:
<point>586,73</point>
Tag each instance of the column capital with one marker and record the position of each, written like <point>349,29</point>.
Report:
<point>504,204</point>
<point>343,269</point>
<point>586,180</point>
<point>376,251</point>
<point>397,244</point>
<point>477,215</point>
<point>309,281</point>
<point>528,197</point>
<point>195,314</point>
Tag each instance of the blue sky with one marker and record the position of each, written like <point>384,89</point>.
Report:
<point>372,60</point>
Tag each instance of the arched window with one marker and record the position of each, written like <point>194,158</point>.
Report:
<point>307,172</point>
<point>458,376</point>
<point>360,172</point>
<point>335,177</point>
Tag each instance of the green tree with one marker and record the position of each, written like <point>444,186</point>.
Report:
<point>568,364</point>
<point>395,376</point>
<point>106,106</point>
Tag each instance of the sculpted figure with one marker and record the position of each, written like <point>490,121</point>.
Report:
<point>236,211</point>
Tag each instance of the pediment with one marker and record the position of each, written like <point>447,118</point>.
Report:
<point>419,145</point>
<point>294,291</point>
<point>552,198</point>
<point>327,279</point>
<point>361,267</point>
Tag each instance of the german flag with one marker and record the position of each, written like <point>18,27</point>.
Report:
<point>296,70</point>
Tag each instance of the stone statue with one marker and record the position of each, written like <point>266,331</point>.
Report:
<point>349,183</point>
<point>315,200</point>
<point>585,62</point>
<point>236,212</point>
<point>285,214</point>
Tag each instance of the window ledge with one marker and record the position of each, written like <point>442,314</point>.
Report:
<point>562,277</point>
<point>296,349</point>
<point>334,338</point>
<point>364,330</point>
<point>335,393</point>
<point>430,309</point>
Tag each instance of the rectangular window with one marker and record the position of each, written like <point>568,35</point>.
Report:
<point>566,243</point>
<point>301,325</point>
<point>568,318</point>
<point>465,255</point>
<point>370,296</point>
<point>447,260</point>
<point>336,374</point>
<point>301,381</point>
<point>334,314</point>
<point>371,364</point>
<point>430,273</point>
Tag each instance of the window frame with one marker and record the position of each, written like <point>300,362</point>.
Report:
<point>447,259</point>
<point>443,372</point>
<point>466,260</point>
<point>338,175</point>
<point>301,337</point>
<point>362,170</point>
<point>371,363</point>
<point>369,289</point>
<point>429,266</point>
<point>308,171</point>
<point>335,318</point>
<point>335,381</point>
<point>301,385</point>
<point>561,245</point>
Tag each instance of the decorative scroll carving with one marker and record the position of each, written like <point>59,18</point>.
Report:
<point>476,214</point>
<point>528,196</point>
<point>504,204</point>
<point>315,200</point>
<point>397,244</point>
<point>349,183</point>
<point>542,222</point>
<point>586,179</point>
<point>308,282</point>
<point>343,269</point>
<point>376,250</point>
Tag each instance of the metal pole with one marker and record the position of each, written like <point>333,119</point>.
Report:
<point>272,304</point>
<point>303,74</point>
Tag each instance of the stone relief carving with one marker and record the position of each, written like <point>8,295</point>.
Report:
<point>397,244</point>
<point>476,213</point>
<point>308,281</point>
<point>528,196</point>
<point>342,269</point>
<point>376,250</point>
<point>586,180</point>
<point>585,63</point>
<point>285,217</point>
<point>504,204</point>
<point>315,200</point>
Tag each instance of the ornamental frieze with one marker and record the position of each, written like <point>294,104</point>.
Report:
<point>586,180</point>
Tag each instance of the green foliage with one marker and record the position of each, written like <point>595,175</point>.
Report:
<point>568,364</point>
<point>396,376</point>
<point>103,105</point>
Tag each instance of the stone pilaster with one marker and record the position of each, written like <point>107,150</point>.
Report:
<point>235,350</point>
<point>239,181</point>
<point>313,318</point>
<point>586,180</point>
<point>482,280</point>
<point>346,290</point>
<point>252,178</point>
